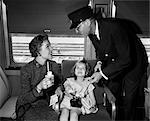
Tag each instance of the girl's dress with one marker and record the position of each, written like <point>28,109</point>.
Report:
<point>80,89</point>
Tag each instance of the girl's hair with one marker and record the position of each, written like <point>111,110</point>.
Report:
<point>36,43</point>
<point>87,66</point>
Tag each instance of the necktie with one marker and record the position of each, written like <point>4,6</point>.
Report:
<point>96,42</point>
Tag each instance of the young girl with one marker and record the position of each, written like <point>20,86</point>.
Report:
<point>79,97</point>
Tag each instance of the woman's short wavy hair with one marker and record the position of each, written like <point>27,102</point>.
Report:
<point>87,66</point>
<point>36,43</point>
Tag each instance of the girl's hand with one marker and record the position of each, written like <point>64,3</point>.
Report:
<point>68,94</point>
<point>94,109</point>
<point>59,92</point>
<point>69,89</point>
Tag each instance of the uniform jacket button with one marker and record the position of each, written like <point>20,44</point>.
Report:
<point>112,59</point>
<point>106,55</point>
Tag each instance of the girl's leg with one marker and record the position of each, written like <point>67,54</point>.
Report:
<point>64,115</point>
<point>74,115</point>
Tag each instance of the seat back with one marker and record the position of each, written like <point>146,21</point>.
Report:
<point>4,92</point>
<point>5,79</point>
<point>67,66</point>
<point>4,87</point>
<point>7,101</point>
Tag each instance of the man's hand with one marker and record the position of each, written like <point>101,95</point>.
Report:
<point>95,77</point>
<point>98,66</point>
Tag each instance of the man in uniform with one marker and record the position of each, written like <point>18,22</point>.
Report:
<point>123,56</point>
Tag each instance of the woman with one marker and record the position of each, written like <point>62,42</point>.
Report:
<point>36,86</point>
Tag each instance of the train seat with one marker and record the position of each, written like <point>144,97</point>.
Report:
<point>7,102</point>
<point>102,114</point>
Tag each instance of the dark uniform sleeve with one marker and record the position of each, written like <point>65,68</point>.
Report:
<point>121,45</point>
<point>123,57</point>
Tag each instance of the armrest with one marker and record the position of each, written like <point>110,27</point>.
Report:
<point>8,109</point>
<point>113,114</point>
<point>147,103</point>
<point>111,98</point>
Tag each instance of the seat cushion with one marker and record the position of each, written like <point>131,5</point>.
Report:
<point>8,109</point>
<point>101,115</point>
<point>4,92</point>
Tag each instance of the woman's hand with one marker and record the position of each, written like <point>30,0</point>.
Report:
<point>44,84</point>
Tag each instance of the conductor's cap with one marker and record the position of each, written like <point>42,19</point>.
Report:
<point>80,15</point>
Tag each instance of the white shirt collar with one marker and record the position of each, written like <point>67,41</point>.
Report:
<point>97,31</point>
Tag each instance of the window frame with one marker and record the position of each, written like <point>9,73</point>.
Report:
<point>145,39</point>
<point>11,63</point>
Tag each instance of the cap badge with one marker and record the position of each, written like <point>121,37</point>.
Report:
<point>81,20</point>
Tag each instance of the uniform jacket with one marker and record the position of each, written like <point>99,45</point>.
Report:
<point>122,54</point>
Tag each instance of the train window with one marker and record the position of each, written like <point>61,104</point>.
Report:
<point>64,47</point>
<point>146,42</point>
